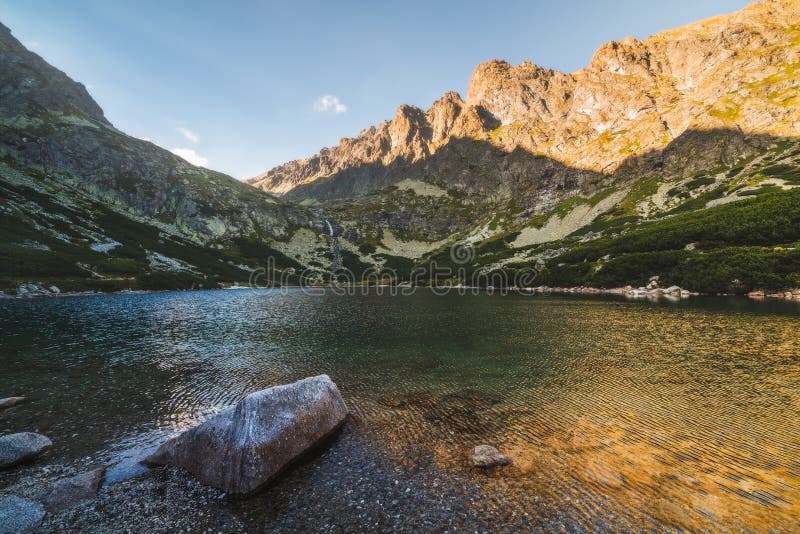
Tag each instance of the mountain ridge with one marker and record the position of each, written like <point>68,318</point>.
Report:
<point>87,207</point>
<point>632,97</point>
<point>83,202</point>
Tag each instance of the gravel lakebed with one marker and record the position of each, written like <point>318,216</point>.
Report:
<point>346,484</point>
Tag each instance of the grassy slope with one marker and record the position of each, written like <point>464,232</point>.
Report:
<point>750,243</point>
<point>84,206</point>
<point>46,233</point>
<point>737,247</point>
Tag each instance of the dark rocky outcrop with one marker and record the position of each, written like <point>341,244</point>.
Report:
<point>245,446</point>
<point>22,447</point>
<point>51,125</point>
<point>76,193</point>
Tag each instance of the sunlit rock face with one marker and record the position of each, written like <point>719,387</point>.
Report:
<point>734,72</point>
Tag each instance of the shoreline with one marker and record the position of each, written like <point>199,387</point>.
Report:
<point>627,291</point>
<point>94,293</point>
<point>673,292</point>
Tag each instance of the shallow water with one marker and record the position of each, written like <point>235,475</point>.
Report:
<point>618,415</point>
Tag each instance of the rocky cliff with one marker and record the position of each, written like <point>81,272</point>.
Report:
<point>734,73</point>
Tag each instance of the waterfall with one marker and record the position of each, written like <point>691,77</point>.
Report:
<point>337,253</point>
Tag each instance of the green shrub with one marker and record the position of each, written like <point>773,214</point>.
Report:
<point>736,249</point>
<point>367,248</point>
<point>699,182</point>
<point>768,219</point>
<point>120,266</point>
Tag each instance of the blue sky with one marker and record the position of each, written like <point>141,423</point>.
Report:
<point>240,86</point>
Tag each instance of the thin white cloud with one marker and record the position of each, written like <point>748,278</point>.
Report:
<point>188,134</point>
<point>326,103</point>
<point>191,156</point>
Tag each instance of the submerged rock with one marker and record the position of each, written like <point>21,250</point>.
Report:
<point>245,446</point>
<point>69,492</point>
<point>10,401</point>
<point>488,456</point>
<point>18,514</point>
<point>18,448</point>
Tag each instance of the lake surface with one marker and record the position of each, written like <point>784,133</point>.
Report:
<point>618,415</point>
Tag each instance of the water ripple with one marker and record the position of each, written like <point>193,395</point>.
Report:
<point>621,416</point>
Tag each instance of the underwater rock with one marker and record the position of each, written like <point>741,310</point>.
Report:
<point>488,456</point>
<point>10,401</point>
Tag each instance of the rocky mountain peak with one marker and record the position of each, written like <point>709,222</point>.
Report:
<point>522,93</point>
<point>443,114</point>
<point>627,57</point>
<point>634,97</point>
<point>29,83</point>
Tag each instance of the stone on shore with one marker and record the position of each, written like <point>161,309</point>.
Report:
<point>245,446</point>
<point>10,401</point>
<point>18,514</point>
<point>673,290</point>
<point>488,456</point>
<point>18,448</point>
<point>69,492</point>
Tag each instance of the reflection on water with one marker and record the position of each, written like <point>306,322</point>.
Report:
<point>621,415</point>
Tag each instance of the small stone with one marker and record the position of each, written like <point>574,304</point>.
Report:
<point>18,448</point>
<point>10,401</point>
<point>69,492</point>
<point>488,456</point>
<point>673,290</point>
<point>18,514</point>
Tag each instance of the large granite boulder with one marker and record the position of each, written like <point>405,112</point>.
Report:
<point>18,448</point>
<point>245,446</point>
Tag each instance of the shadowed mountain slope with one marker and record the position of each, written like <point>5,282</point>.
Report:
<point>79,199</point>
